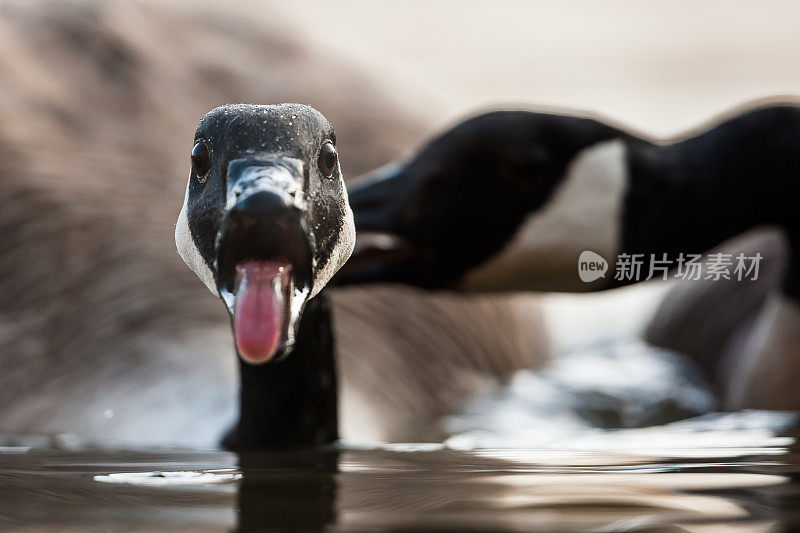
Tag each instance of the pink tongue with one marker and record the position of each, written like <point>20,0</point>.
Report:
<point>258,314</point>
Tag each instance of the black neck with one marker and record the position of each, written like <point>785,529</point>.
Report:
<point>291,403</point>
<point>692,196</point>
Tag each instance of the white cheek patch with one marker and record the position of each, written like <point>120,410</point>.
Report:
<point>188,249</point>
<point>345,242</point>
<point>583,214</point>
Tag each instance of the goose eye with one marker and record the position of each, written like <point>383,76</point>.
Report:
<point>327,159</point>
<point>201,161</point>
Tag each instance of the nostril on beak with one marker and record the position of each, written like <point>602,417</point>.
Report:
<point>263,202</point>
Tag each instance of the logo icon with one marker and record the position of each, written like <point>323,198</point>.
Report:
<point>591,266</point>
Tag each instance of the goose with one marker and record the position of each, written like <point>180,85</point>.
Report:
<point>265,224</point>
<point>508,200</point>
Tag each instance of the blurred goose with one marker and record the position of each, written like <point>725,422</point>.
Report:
<point>509,200</point>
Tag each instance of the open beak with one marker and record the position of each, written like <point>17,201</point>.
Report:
<point>264,255</point>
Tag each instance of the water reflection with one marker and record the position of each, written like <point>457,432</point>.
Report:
<point>410,487</point>
<point>289,489</point>
<point>462,491</point>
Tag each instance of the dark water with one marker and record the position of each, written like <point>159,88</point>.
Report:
<point>747,479</point>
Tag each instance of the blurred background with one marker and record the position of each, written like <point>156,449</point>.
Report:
<point>98,104</point>
<point>106,335</point>
<point>660,67</point>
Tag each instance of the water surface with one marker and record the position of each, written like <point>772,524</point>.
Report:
<point>736,470</point>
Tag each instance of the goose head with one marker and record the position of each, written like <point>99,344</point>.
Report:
<point>437,218</point>
<point>265,221</point>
